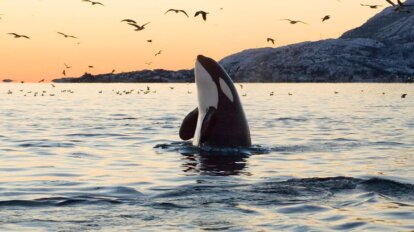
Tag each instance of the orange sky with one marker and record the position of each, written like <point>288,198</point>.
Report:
<point>108,44</point>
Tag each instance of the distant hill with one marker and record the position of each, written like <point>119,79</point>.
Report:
<point>144,76</point>
<point>381,50</point>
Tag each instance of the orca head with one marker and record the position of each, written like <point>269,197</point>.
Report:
<point>212,82</point>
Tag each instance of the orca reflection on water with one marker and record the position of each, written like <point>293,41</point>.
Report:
<point>219,119</point>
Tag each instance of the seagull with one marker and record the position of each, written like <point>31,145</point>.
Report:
<point>158,53</point>
<point>327,17</point>
<point>203,14</point>
<point>67,66</point>
<point>93,3</point>
<point>129,21</point>
<point>66,35</point>
<point>271,40</point>
<point>19,36</point>
<point>294,21</point>
<point>391,2</point>
<point>177,11</point>
<point>138,27</point>
<point>400,3</point>
<point>371,6</point>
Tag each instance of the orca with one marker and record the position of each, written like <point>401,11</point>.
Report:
<point>219,119</point>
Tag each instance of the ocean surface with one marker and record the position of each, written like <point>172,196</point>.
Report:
<point>107,157</point>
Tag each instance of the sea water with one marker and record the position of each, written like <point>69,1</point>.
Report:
<point>107,157</point>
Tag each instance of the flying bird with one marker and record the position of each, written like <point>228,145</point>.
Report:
<point>391,2</point>
<point>158,53</point>
<point>43,80</point>
<point>66,35</point>
<point>371,6</point>
<point>327,17</point>
<point>149,40</point>
<point>93,3</point>
<point>67,66</point>
<point>19,36</point>
<point>148,63</point>
<point>138,27</point>
<point>202,13</point>
<point>177,11</point>
<point>271,40</point>
<point>90,66</point>
<point>64,72</point>
<point>113,71</point>
<point>404,95</point>
<point>294,21</point>
<point>129,21</point>
<point>400,3</point>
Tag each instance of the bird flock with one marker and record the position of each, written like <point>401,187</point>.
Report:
<point>142,91</point>
<point>399,7</point>
<point>130,22</point>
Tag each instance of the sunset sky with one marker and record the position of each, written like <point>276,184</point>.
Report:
<point>108,44</point>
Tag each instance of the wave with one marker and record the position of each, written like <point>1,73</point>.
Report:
<point>307,192</point>
<point>59,202</point>
<point>294,190</point>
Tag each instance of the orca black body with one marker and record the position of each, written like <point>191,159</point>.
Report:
<point>219,119</point>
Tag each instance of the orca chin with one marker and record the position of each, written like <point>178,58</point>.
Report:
<point>219,119</point>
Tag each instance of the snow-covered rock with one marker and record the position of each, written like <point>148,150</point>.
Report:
<point>380,50</point>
